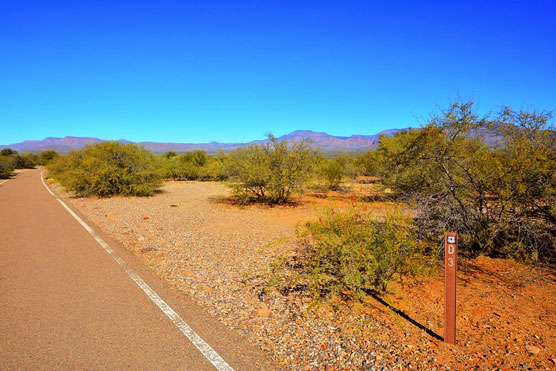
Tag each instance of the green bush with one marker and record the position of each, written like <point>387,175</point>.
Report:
<point>272,171</point>
<point>24,162</point>
<point>168,155</point>
<point>499,194</point>
<point>106,169</point>
<point>195,165</point>
<point>349,164</point>
<point>197,158</point>
<point>31,160</point>
<point>17,161</point>
<point>46,156</point>
<point>332,173</point>
<point>7,152</point>
<point>185,167</point>
<point>370,163</point>
<point>351,253</point>
<point>216,168</point>
<point>176,168</point>
<point>6,168</point>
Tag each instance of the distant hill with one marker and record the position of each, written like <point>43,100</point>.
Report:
<point>61,145</point>
<point>331,143</point>
<point>327,142</point>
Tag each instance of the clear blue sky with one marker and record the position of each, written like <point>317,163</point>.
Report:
<point>196,71</point>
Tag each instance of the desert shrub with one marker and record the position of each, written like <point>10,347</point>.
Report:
<point>349,164</point>
<point>351,253</point>
<point>106,169</point>
<point>176,168</point>
<point>16,160</point>
<point>500,197</point>
<point>6,168</point>
<point>271,171</point>
<point>332,172</point>
<point>168,155</point>
<point>197,158</point>
<point>166,165</point>
<point>195,165</point>
<point>24,161</point>
<point>46,156</point>
<point>31,160</point>
<point>216,168</point>
<point>185,167</point>
<point>333,168</point>
<point>370,163</point>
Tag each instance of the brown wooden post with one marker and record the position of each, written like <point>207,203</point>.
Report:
<point>450,263</point>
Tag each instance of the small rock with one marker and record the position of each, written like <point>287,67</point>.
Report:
<point>532,349</point>
<point>263,312</point>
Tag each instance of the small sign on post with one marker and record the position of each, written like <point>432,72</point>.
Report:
<point>450,262</point>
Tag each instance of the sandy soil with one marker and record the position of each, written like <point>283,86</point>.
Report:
<point>219,254</point>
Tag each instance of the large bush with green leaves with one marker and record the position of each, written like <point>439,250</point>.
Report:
<point>195,165</point>
<point>332,172</point>
<point>216,168</point>
<point>46,156</point>
<point>370,163</point>
<point>6,168</point>
<point>339,167</point>
<point>272,171</point>
<point>352,253</point>
<point>106,169</point>
<point>184,167</point>
<point>16,160</point>
<point>490,179</point>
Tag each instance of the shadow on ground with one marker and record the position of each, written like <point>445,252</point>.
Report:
<point>408,318</point>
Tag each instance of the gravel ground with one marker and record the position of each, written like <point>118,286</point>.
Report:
<point>219,254</point>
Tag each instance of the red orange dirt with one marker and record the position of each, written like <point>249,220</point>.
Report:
<point>506,317</point>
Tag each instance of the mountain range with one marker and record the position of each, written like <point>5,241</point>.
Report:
<point>325,141</point>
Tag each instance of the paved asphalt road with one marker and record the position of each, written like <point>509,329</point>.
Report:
<point>66,304</point>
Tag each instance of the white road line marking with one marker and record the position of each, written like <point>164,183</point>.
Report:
<point>199,343</point>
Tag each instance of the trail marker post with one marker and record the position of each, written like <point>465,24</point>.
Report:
<point>450,262</point>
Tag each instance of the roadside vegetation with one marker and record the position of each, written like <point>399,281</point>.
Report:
<point>499,196</point>
<point>373,242</point>
<point>195,165</point>
<point>351,253</point>
<point>272,171</point>
<point>492,179</point>
<point>11,160</point>
<point>107,169</point>
<point>334,169</point>
<point>6,169</point>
